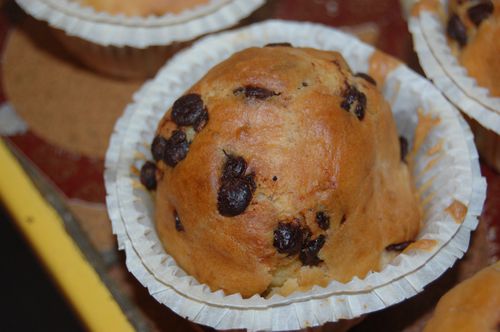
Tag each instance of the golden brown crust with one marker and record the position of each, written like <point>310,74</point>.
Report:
<point>142,7</point>
<point>480,55</point>
<point>472,306</point>
<point>323,158</point>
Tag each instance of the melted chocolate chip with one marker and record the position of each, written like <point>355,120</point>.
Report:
<point>353,96</point>
<point>323,220</point>
<point>309,252</point>
<point>188,109</point>
<point>275,178</point>
<point>403,146</point>
<point>278,44</point>
<point>288,238</point>
<point>178,224</point>
<point>367,78</point>
<point>201,122</point>
<point>398,246</point>
<point>255,92</point>
<point>250,179</point>
<point>176,148</point>
<point>480,12</point>
<point>456,30</point>
<point>158,147</point>
<point>234,167</point>
<point>148,175</point>
<point>233,197</point>
<point>304,84</point>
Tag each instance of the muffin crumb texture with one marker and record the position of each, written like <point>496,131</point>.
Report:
<point>280,170</point>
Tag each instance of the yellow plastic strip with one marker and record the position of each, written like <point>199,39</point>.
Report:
<point>44,229</point>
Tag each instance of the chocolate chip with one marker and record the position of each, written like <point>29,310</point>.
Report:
<point>480,12</point>
<point>309,252</point>
<point>176,148</point>
<point>158,147</point>
<point>275,178</point>
<point>366,77</point>
<point>323,220</point>
<point>278,44</point>
<point>250,179</point>
<point>342,221</point>
<point>188,109</point>
<point>148,175</point>
<point>304,84</point>
<point>201,122</point>
<point>255,92</point>
<point>456,30</point>
<point>398,246</point>
<point>234,167</point>
<point>353,96</point>
<point>288,237</point>
<point>233,197</point>
<point>403,147</point>
<point>178,225</point>
<point>359,110</point>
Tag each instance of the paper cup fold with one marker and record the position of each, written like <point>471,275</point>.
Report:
<point>455,176</point>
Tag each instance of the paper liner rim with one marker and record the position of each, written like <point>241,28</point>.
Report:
<point>139,32</point>
<point>476,199</point>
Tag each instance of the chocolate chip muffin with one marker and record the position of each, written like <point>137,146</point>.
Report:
<point>279,170</point>
<point>473,29</point>
<point>472,306</point>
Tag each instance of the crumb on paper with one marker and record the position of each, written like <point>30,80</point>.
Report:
<point>436,148</point>
<point>457,210</point>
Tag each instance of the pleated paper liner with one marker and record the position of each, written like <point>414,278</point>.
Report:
<point>133,47</point>
<point>439,64</point>
<point>446,172</point>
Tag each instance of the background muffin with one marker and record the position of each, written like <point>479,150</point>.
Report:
<point>473,29</point>
<point>277,171</point>
<point>133,39</point>
<point>471,306</point>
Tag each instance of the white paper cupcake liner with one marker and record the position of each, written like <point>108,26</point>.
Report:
<point>139,32</point>
<point>442,67</point>
<point>455,177</point>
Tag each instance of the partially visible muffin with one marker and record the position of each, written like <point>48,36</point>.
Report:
<point>472,306</point>
<point>280,170</point>
<point>143,7</point>
<point>473,29</point>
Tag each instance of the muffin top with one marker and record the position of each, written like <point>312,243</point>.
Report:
<point>471,306</point>
<point>473,30</point>
<point>279,170</point>
<point>143,7</point>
